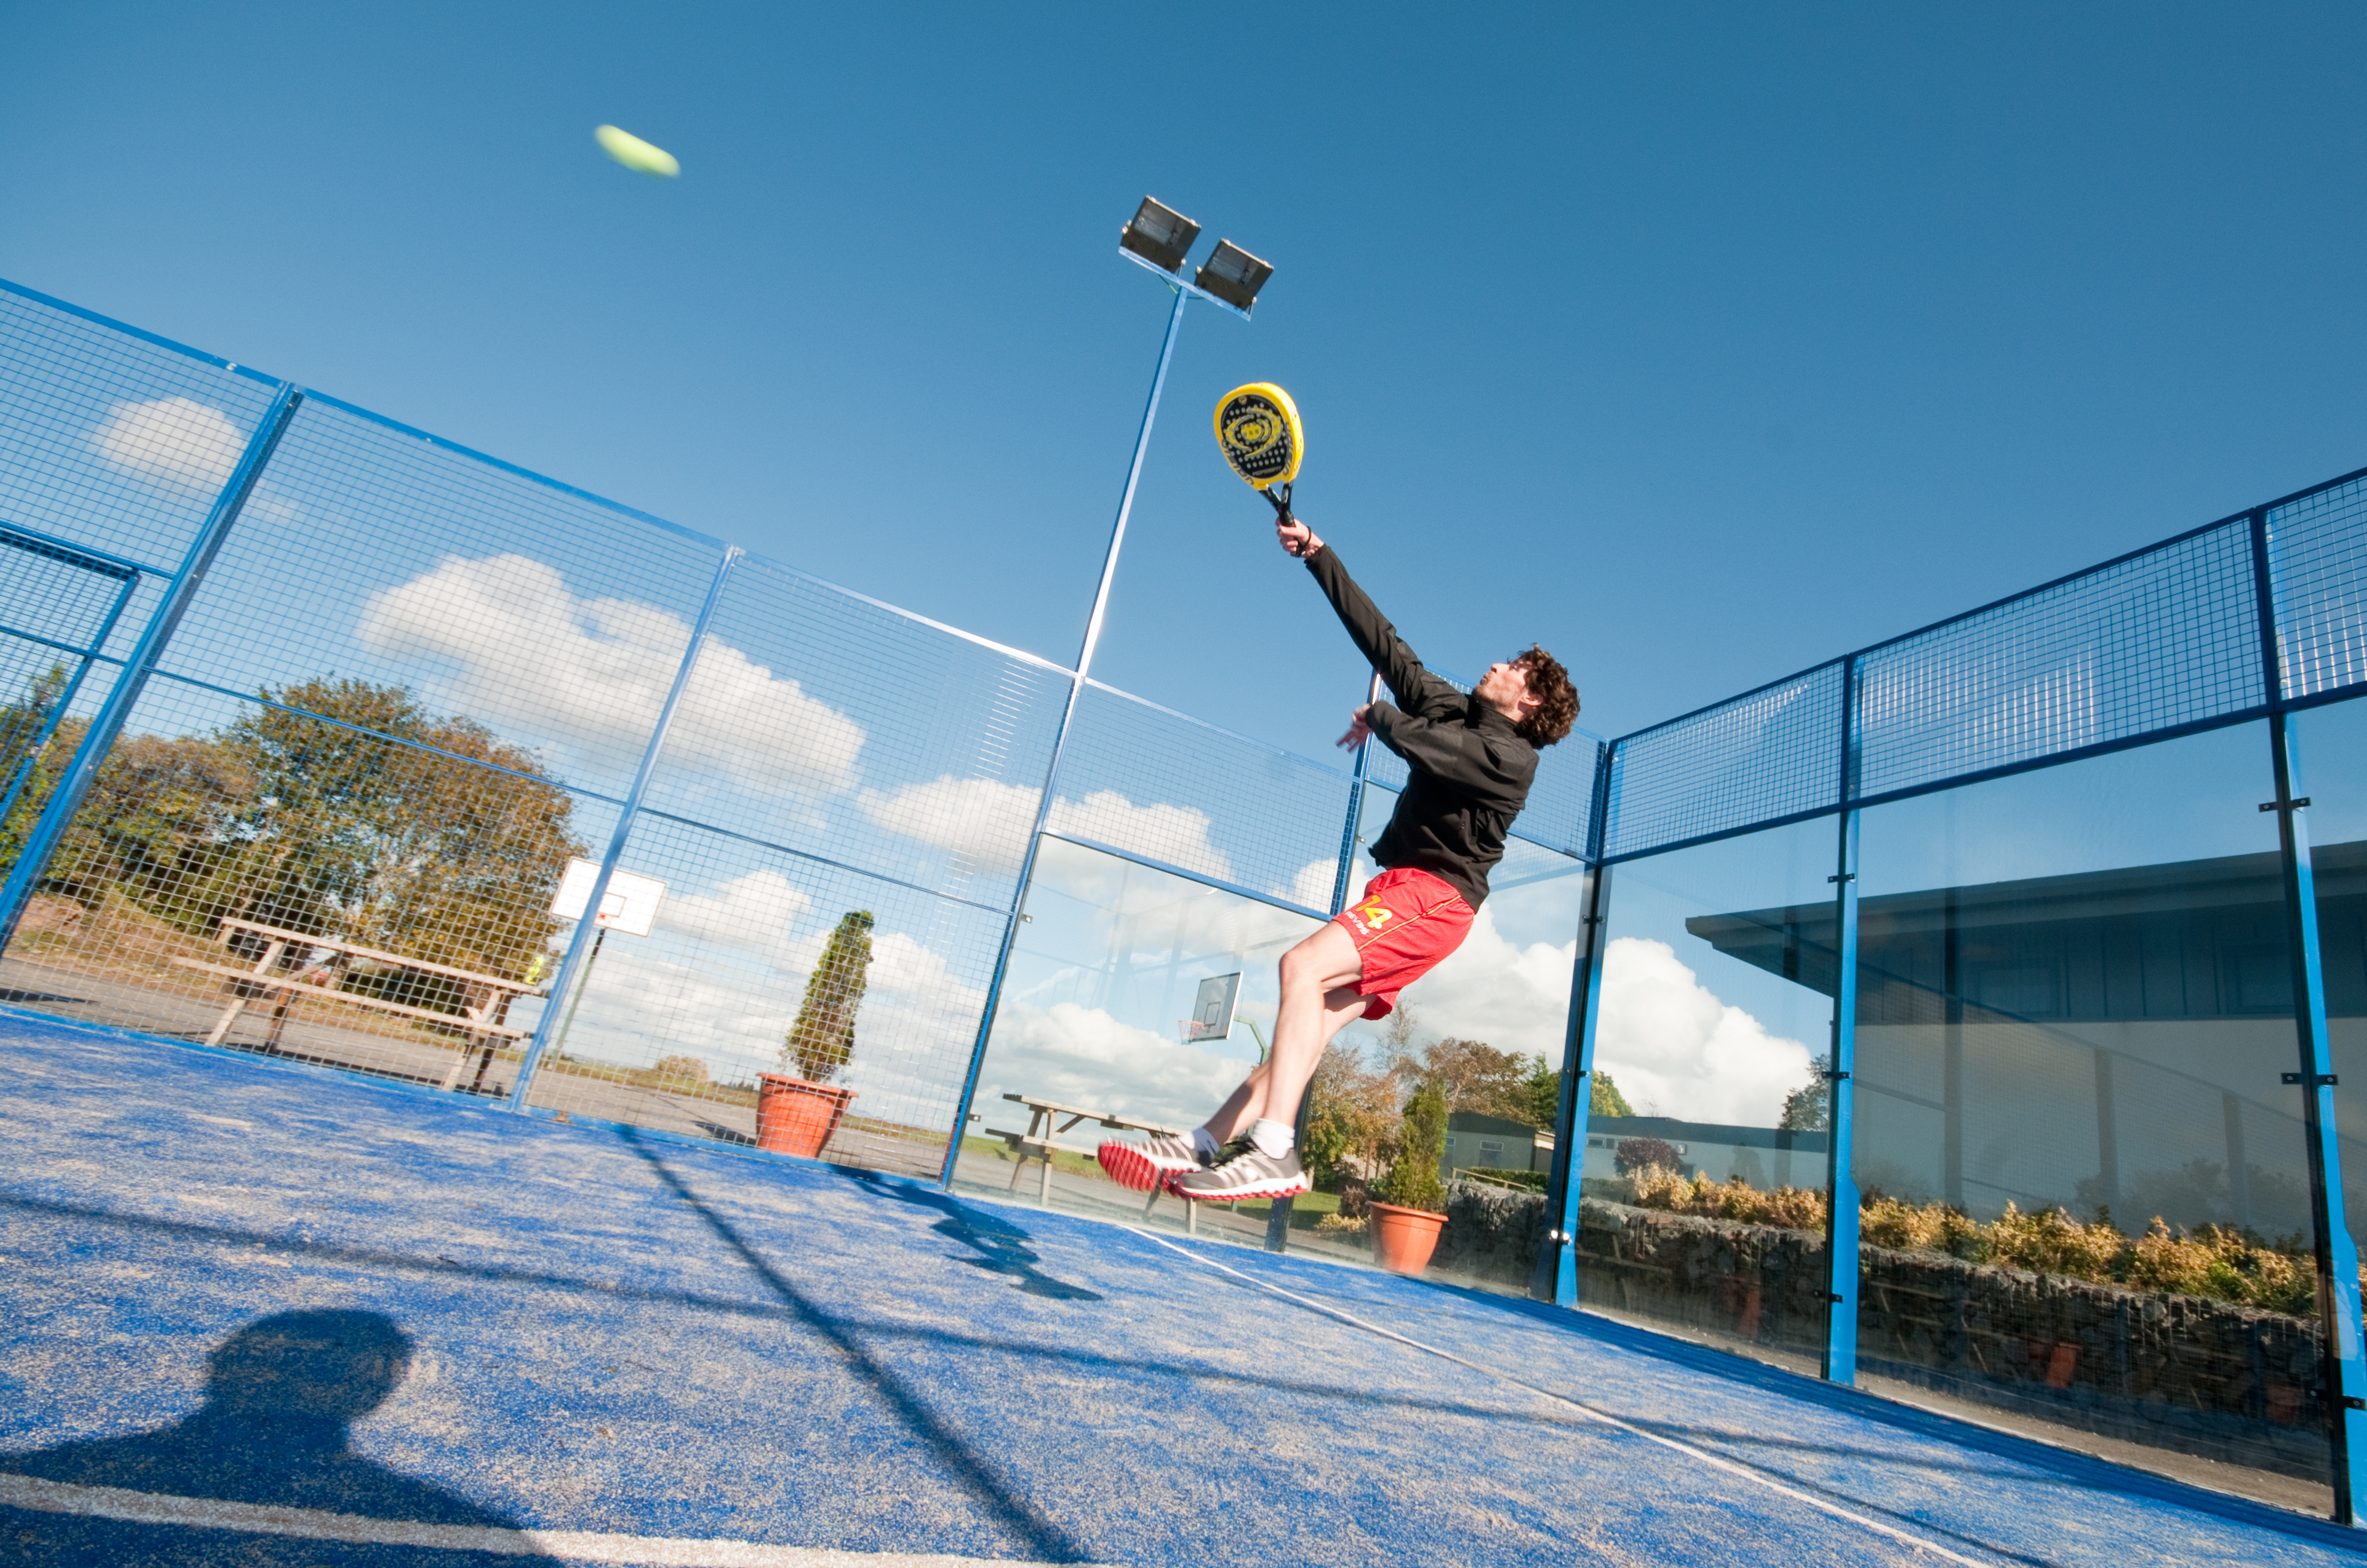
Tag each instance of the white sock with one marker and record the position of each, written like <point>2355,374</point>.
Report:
<point>1204,1143</point>
<point>1272,1138</point>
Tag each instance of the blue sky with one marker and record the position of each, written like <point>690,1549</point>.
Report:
<point>1699,343</point>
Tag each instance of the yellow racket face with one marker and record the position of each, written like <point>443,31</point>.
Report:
<point>1258,428</point>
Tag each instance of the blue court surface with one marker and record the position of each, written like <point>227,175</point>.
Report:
<point>263,1313</point>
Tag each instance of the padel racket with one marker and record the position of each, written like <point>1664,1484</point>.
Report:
<point>1258,428</point>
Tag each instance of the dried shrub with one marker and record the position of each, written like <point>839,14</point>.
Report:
<point>2221,1261</point>
<point>1657,1187</point>
<point>1884,1221</point>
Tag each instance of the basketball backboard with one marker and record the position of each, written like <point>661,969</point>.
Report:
<point>630,905</point>
<point>1212,1010</point>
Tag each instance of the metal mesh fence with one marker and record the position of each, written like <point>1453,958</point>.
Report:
<point>374,559</point>
<point>1139,778</point>
<point>2161,638</point>
<point>762,962</point>
<point>57,606</point>
<point>412,669</point>
<point>2317,554</point>
<point>1771,754</point>
<point>824,724</point>
<point>246,875</point>
<point>112,440</point>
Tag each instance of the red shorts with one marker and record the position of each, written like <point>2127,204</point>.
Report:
<point>1406,922</point>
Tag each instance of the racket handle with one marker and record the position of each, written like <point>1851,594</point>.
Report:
<point>1281,501</point>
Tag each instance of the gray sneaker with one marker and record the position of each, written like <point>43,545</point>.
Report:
<point>1151,1162</point>
<point>1241,1172</point>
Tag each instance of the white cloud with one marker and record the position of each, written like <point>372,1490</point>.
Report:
<point>984,821</point>
<point>174,441</point>
<point>1177,835</point>
<point>1084,1056</point>
<point>1671,1043</point>
<point>1312,885</point>
<point>1512,997</point>
<point>755,912</point>
<point>988,822</point>
<point>593,674</point>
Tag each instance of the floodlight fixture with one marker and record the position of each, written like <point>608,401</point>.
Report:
<point>1233,275</point>
<point>1159,235</point>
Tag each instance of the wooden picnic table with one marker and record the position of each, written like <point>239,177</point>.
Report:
<point>318,980</point>
<point>1037,1142</point>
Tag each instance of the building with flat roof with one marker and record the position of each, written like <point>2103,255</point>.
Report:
<point>2015,1037</point>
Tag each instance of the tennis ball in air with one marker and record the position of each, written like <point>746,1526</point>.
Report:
<point>637,154</point>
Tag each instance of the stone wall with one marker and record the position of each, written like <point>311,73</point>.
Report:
<point>2204,1377</point>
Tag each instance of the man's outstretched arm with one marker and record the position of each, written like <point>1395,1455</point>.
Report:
<point>1417,690</point>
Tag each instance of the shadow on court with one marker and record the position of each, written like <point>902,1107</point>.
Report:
<point>1044,1538</point>
<point>276,1431</point>
<point>1003,1245</point>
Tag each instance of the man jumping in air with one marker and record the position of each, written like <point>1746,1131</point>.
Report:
<point>1472,759</point>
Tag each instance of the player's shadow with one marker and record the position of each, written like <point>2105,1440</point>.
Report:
<point>276,1431</point>
<point>1002,1246</point>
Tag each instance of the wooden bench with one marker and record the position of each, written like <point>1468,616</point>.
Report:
<point>1037,1142</point>
<point>317,981</point>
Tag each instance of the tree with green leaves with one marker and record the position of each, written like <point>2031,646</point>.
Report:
<point>823,1039</point>
<point>449,849</point>
<point>1352,1113</point>
<point>1413,1181</point>
<point>1808,1108</point>
<point>1605,1098</point>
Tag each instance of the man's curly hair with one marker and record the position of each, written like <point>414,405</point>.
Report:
<point>1557,705</point>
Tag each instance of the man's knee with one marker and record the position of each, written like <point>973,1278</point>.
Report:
<point>1318,962</point>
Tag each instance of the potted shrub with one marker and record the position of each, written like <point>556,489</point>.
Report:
<point>797,1115</point>
<point>1409,1209</point>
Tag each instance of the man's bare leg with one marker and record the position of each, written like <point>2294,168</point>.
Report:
<point>1318,998</point>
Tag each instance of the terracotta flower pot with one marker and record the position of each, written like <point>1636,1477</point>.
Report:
<point>795,1117</point>
<point>1403,1239</point>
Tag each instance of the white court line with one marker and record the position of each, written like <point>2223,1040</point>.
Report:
<point>1755,1477</point>
<point>313,1524</point>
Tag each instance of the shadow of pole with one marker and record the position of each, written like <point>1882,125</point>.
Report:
<point>1044,1538</point>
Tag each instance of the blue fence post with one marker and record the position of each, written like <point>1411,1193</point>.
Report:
<point>2338,1254</point>
<point>50,828</point>
<point>1565,1186</point>
<point>572,966</point>
<point>1060,744</point>
<point>1840,1181</point>
<point>1841,1246</point>
<point>129,577</point>
<point>1347,873</point>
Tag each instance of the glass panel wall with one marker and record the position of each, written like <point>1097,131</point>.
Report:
<point>1097,1014</point>
<point>2331,747</point>
<point>1707,1158</point>
<point>1490,1024</point>
<point>2085,1201</point>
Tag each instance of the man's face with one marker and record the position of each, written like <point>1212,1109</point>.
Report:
<point>1504,685</point>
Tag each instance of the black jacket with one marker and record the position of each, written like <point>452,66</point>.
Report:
<point>1471,771</point>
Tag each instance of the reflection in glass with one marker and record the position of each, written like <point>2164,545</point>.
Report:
<point>2086,1198</point>
<point>1703,1202</point>
<point>1492,1022</point>
<point>2331,747</point>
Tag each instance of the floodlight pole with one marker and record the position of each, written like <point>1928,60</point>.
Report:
<point>1183,293</point>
